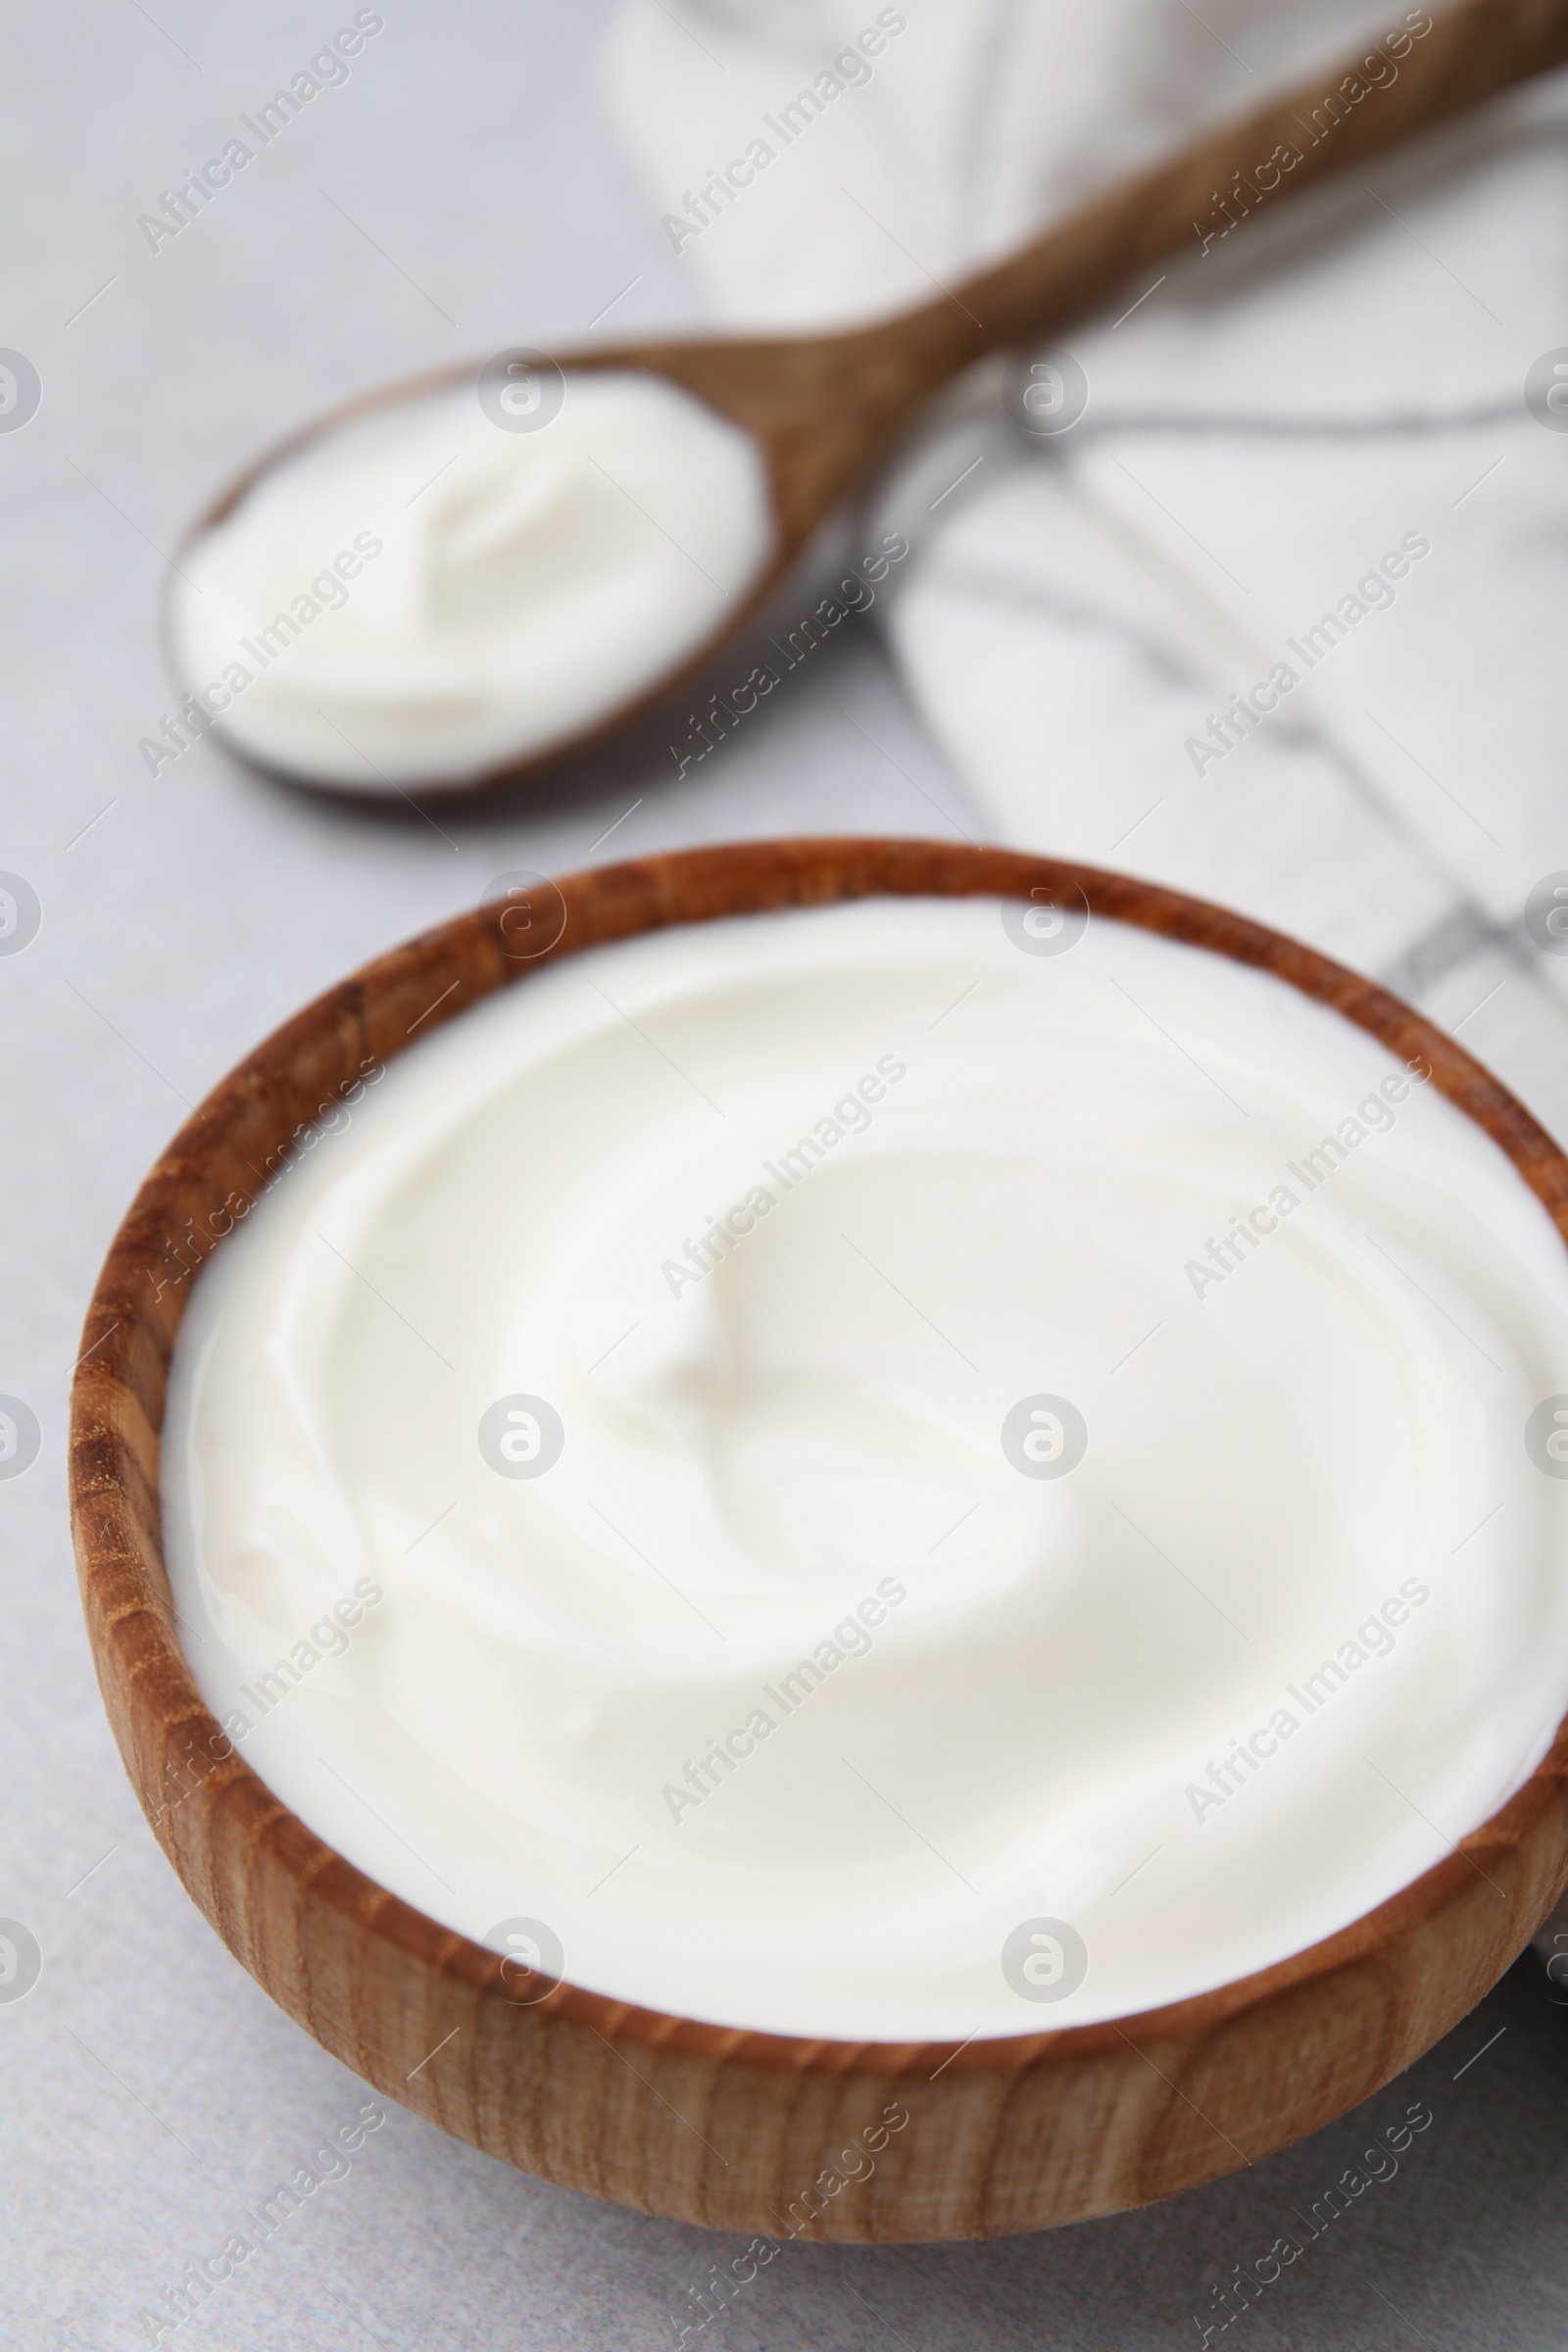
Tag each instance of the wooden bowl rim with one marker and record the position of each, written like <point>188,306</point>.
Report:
<point>106,1467</point>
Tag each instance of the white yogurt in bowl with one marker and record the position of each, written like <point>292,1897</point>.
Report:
<point>847,1473</point>
<point>447,586</point>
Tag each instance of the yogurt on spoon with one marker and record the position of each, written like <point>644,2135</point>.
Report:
<point>455,584</point>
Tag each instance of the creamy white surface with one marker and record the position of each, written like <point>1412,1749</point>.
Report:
<point>743,1464</point>
<point>525,584</point>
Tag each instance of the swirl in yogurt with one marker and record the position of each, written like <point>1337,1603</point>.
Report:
<point>919,1488</point>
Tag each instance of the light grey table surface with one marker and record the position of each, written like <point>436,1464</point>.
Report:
<point>459,194</point>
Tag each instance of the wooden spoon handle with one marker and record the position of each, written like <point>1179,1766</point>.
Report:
<point>1387,93</point>
<point>824,405</point>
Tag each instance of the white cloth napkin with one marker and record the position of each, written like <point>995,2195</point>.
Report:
<point>1331,384</point>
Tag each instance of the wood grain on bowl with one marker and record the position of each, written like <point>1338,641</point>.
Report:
<point>730,2128</point>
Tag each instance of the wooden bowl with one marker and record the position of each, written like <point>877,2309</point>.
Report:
<point>697,2122</point>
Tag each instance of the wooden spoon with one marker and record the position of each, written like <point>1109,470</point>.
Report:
<point>823,407</point>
